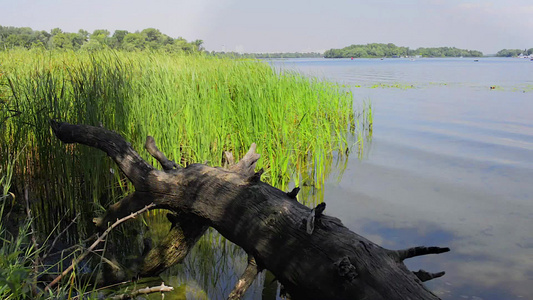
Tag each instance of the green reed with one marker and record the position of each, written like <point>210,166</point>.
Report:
<point>196,107</point>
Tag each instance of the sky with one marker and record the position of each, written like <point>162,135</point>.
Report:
<point>293,25</point>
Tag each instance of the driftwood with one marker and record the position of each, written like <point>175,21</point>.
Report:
<point>311,254</point>
<point>144,291</point>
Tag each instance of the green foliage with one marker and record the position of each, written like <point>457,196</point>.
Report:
<point>150,38</point>
<point>15,264</point>
<point>447,52</point>
<point>391,50</point>
<point>11,37</point>
<point>15,253</point>
<point>513,52</point>
<point>196,107</point>
<point>20,259</point>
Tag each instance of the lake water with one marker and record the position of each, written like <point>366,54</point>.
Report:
<point>450,164</point>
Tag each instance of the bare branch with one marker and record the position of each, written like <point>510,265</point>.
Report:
<point>116,147</point>
<point>292,194</point>
<point>247,278</point>
<point>425,276</point>
<point>246,165</point>
<point>419,251</point>
<point>151,147</point>
<point>148,290</point>
<point>229,158</point>
<point>131,203</point>
<point>98,241</point>
<point>185,231</point>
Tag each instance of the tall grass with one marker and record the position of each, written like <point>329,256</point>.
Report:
<point>196,107</point>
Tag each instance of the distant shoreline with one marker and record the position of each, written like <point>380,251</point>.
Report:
<point>377,50</point>
<point>151,39</point>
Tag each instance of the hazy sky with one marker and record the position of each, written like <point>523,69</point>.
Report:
<point>293,25</point>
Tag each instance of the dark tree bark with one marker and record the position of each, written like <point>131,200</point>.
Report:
<point>314,256</point>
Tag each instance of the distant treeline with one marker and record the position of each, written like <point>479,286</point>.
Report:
<point>153,39</point>
<point>514,52</point>
<point>150,38</point>
<point>391,50</point>
<point>269,55</point>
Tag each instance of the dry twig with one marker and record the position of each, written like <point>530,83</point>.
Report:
<point>148,290</point>
<point>98,241</point>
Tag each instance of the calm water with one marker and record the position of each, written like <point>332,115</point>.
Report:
<point>450,164</point>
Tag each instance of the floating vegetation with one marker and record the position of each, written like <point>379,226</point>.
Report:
<point>403,86</point>
<point>392,85</point>
<point>523,88</point>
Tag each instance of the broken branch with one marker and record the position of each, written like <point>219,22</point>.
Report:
<point>98,241</point>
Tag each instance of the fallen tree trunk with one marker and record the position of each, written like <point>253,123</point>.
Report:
<point>311,254</point>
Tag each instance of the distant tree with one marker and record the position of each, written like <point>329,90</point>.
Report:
<point>99,35</point>
<point>391,50</point>
<point>83,34</point>
<point>181,45</point>
<point>92,45</point>
<point>11,41</point>
<point>150,38</point>
<point>11,37</point>
<point>38,45</point>
<point>118,39</point>
<point>120,34</point>
<point>62,41</point>
<point>151,34</point>
<point>56,31</point>
<point>133,41</point>
<point>508,52</point>
<point>334,53</point>
<point>359,52</point>
<point>198,45</point>
<point>40,38</point>
<point>153,38</point>
<point>78,39</point>
<point>376,50</point>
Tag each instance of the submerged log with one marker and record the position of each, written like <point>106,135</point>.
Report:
<point>313,255</point>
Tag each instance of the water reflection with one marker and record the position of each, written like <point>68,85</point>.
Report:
<point>449,164</point>
<point>489,238</point>
<point>214,265</point>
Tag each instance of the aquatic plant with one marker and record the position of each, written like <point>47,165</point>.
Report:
<point>196,107</point>
<point>403,86</point>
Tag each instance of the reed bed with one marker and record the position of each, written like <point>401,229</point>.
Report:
<point>196,107</point>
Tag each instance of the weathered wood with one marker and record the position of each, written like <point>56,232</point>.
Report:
<point>144,291</point>
<point>247,278</point>
<point>327,262</point>
<point>151,147</point>
<point>185,231</point>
